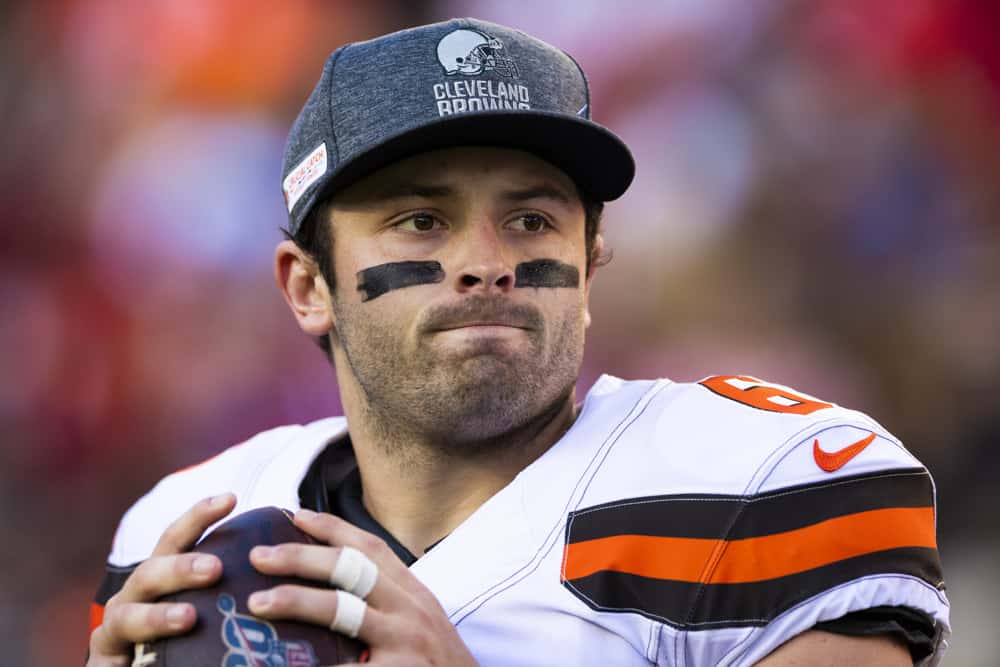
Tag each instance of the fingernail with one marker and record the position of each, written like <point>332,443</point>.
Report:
<point>177,615</point>
<point>305,514</point>
<point>259,601</point>
<point>203,565</point>
<point>220,500</point>
<point>262,552</point>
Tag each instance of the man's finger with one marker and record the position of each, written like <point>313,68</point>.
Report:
<point>335,531</point>
<point>133,622</point>
<point>185,531</point>
<point>130,616</point>
<point>320,607</point>
<point>308,561</point>
<point>160,575</point>
<point>318,562</point>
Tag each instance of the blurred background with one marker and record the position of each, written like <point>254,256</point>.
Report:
<point>817,203</point>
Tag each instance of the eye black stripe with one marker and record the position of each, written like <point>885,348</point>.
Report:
<point>377,280</point>
<point>546,273</point>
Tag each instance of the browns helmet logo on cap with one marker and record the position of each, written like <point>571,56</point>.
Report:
<point>471,52</point>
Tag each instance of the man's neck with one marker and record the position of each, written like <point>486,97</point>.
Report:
<point>420,496</point>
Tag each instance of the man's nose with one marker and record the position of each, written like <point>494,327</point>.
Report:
<point>485,265</point>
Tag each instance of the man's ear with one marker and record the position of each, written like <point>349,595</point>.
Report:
<point>304,288</point>
<point>595,262</point>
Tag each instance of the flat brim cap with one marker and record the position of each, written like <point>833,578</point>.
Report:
<point>463,82</point>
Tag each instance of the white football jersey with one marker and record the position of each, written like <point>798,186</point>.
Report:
<point>674,524</point>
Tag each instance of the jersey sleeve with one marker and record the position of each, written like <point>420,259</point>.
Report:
<point>734,514</point>
<point>735,525</point>
<point>841,522</point>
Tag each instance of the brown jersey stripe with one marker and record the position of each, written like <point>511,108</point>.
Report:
<point>797,507</point>
<point>693,605</point>
<point>756,558</point>
<point>114,579</point>
<point>715,516</point>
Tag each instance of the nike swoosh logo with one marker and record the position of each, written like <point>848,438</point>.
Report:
<point>831,461</point>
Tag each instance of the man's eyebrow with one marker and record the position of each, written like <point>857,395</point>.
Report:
<point>539,192</point>
<point>404,190</point>
<point>409,189</point>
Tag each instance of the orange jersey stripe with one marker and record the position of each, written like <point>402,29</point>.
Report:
<point>755,558</point>
<point>677,558</point>
<point>96,615</point>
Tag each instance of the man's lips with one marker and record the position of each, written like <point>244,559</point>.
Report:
<point>480,313</point>
<point>482,324</point>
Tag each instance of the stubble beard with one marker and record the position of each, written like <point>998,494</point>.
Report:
<point>465,406</point>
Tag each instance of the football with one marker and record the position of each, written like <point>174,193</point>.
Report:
<point>226,633</point>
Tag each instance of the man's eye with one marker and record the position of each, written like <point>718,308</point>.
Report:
<point>421,222</point>
<point>530,222</point>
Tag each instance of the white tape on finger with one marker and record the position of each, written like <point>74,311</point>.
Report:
<point>354,573</point>
<point>350,614</point>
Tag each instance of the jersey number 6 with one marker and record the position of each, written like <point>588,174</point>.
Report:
<point>763,395</point>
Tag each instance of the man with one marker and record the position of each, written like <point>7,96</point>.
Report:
<point>444,187</point>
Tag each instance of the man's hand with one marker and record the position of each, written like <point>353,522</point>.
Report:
<point>403,624</point>
<point>131,616</point>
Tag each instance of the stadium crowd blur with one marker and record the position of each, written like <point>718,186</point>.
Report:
<point>817,203</point>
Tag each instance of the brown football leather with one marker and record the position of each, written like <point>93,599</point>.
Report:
<point>226,634</point>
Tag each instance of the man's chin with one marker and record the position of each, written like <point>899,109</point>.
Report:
<point>495,368</point>
<point>489,406</point>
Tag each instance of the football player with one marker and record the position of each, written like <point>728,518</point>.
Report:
<point>444,186</point>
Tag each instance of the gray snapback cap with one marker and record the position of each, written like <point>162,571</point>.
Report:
<point>463,82</point>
